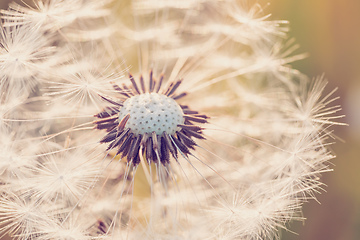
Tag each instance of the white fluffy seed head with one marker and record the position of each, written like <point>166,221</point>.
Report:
<point>152,112</point>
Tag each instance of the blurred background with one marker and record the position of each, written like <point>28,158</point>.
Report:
<point>329,30</point>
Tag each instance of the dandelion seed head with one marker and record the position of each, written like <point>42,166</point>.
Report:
<point>151,174</point>
<point>150,121</point>
<point>152,112</point>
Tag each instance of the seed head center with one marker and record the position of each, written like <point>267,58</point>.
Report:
<point>152,112</point>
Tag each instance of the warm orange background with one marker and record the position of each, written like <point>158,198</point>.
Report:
<point>329,30</point>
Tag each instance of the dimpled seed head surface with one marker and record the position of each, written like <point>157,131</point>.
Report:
<point>151,112</point>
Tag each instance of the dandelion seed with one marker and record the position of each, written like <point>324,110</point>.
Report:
<point>64,230</point>
<point>15,158</point>
<point>22,217</point>
<point>49,14</point>
<point>62,178</point>
<point>24,55</point>
<point>53,15</point>
<point>80,82</point>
